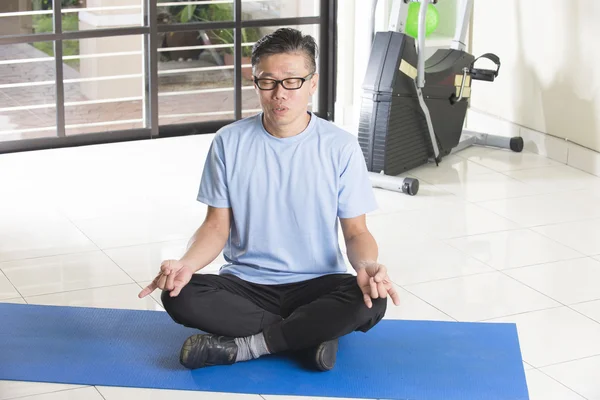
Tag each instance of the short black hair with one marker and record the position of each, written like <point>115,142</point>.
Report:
<point>286,40</point>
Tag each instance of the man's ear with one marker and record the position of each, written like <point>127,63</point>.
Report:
<point>314,82</point>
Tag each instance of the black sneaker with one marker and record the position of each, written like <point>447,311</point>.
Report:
<point>325,355</point>
<point>205,350</point>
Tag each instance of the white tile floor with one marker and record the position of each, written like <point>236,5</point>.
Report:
<point>492,236</point>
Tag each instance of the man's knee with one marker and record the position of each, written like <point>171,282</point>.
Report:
<point>369,317</point>
<point>174,306</point>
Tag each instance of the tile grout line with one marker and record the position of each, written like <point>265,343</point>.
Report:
<point>98,391</point>
<point>488,320</point>
<point>556,300</point>
<point>107,256</point>
<point>568,361</point>
<point>25,397</point>
<point>130,277</point>
<point>559,382</point>
<point>13,285</point>
<point>426,302</point>
<point>46,256</point>
<point>79,290</point>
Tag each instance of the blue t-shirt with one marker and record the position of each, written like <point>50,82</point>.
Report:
<point>286,196</point>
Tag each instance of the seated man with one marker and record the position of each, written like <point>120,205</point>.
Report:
<point>275,185</point>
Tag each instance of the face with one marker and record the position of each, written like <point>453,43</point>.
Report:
<point>285,109</point>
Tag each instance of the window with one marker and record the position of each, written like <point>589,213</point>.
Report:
<point>95,71</point>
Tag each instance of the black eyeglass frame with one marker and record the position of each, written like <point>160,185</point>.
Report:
<point>281,82</point>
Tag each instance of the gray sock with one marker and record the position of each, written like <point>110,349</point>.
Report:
<point>250,347</point>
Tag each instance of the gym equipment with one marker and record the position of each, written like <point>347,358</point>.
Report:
<point>413,110</point>
<point>395,360</point>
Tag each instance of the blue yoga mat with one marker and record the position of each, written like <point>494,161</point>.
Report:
<point>395,360</point>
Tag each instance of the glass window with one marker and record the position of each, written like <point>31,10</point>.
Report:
<point>27,91</point>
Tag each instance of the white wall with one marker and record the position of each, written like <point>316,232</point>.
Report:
<point>549,80</point>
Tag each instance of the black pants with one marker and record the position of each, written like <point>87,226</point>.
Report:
<point>292,316</point>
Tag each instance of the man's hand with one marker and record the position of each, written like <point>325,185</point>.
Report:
<point>374,282</point>
<point>173,276</point>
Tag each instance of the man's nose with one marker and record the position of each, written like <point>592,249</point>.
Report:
<point>279,92</point>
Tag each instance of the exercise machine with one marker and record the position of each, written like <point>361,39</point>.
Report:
<point>412,109</point>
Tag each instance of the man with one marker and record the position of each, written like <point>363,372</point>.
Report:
<point>275,185</point>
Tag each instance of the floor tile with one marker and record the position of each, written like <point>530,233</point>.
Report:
<point>39,234</point>
<point>507,160</point>
<point>511,249</point>
<point>428,197</point>
<point>391,229</point>
<point>555,335</point>
<point>17,300</point>
<point>118,393</point>
<point>482,296</point>
<point>580,375</point>
<point>441,223</point>
<point>143,262</point>
<point>547,209</point>
<point>7,290</point>
<point>61,273</point>
<point>16,389</point>
<point>120,296</point>
<point>413,261</point>
<point>590,309</point>
<point>453,168</point>
<point>571,281</point>
<point>583,236</point>
<point>168,224</point>
<point>86,393</point>
<point>555,179</point>
<point>413,308</point>
<point>487,187</point>
<point>543,387</point>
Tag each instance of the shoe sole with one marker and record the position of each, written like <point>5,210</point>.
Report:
<point>320,359</point>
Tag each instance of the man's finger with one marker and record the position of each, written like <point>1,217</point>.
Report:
<point>165,267</point>
<point>382,290</point>
<point>373,285</point>
<point>170,284</point>
<point>381,274</point>
<point>177,289</point>
<point>161,282</point>
<point>394,295</point>
<point>368,301</point>
<point>148,289</point>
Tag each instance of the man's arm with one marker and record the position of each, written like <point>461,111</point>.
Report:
<point>360,243</point>
<point>208,241</point>
<point>362,250</point>
<point>204,247</point>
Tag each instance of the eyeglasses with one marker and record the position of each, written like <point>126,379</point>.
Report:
<point>287,83</point>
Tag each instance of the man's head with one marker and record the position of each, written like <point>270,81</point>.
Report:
<point>289,56</point>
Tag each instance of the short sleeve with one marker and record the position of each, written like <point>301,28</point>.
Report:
<point>213,185</point>
<point>355,194</point>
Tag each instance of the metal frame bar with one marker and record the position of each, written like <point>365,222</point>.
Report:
<point>151,68</point>
<point>327,59</point>
<point>237,59</point>
<point>58,71</point>
<point>73,35</point>
<point>462,25</point>
<point>150,30</point>
<point>397,22</point>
